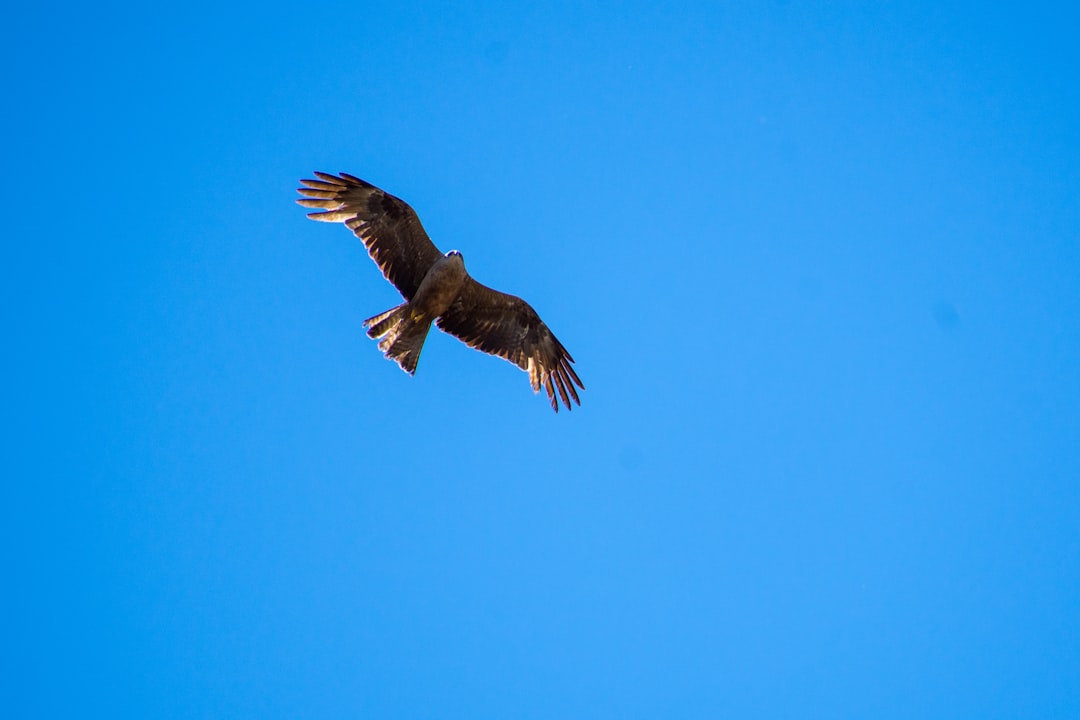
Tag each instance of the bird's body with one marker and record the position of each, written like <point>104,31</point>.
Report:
<point>438,289</point>
<point>404,328</point>
<point>441,285</point>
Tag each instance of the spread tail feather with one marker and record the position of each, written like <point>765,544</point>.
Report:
<point>402,333</point>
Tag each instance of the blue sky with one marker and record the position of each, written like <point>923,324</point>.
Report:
<point>819,266</point>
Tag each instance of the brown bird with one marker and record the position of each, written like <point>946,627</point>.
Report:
<point>436,287</point>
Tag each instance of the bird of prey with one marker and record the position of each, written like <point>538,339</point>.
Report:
<point>437,288</point>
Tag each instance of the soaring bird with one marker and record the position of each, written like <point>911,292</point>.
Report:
<point>438,289</point>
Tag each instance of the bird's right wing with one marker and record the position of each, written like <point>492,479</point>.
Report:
<point>507,326</point>
<point>388,227</point>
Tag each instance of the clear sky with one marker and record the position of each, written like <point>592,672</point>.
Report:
<point>819,266</point>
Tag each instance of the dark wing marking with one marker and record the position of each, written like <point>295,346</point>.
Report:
<point>507,326</point>
<point>388,227</point>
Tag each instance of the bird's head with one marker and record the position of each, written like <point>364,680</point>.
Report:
<point>453,253</point>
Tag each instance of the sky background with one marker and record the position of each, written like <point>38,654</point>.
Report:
<point>819,266</point>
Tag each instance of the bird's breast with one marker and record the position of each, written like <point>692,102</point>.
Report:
<point>440,287</point>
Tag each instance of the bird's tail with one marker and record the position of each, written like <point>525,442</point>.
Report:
<point>403,333</point>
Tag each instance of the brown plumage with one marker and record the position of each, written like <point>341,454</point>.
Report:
<point>437,288</point>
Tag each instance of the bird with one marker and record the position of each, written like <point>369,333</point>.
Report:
<point>437,288</point>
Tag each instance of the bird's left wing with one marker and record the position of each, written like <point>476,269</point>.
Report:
<point>507,326</point>
<point>387,225</point>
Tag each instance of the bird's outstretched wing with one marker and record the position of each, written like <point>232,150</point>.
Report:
<point>507,326</point>
<point>388,227</point>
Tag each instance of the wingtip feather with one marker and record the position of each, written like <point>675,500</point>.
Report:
<point>330,216</point>
<point>330,178</point>
<point>318,203</point>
